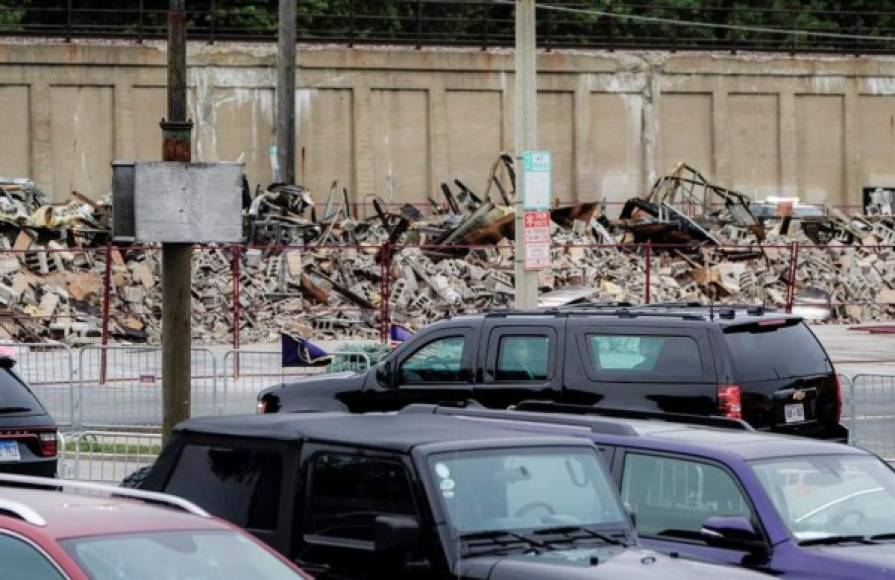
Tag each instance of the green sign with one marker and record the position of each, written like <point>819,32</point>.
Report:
<point>536,180</point>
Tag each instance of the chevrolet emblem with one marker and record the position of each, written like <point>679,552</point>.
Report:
<point>798,395</point>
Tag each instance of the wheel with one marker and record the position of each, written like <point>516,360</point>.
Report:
<point>136,479</point>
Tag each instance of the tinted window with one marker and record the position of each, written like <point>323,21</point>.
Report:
<point>347,493</point>
<point>21,561</point>
<point>438,362</point>
<point>659,355</point>
<point>239,485</point>
<point>522,358</point>
<point>775,352</point>
<point>674,497</point>
<point>192,555</point>
<point>14,395</point>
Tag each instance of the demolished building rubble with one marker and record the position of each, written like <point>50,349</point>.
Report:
<point>323,270</point>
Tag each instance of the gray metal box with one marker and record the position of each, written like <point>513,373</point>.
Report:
<point>188,202</point>
<point>123,201</point>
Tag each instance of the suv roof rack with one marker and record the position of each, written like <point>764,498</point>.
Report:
<point>64,485</point>
<point>700,420</point>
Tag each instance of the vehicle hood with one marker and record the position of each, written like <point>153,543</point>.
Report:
<point>323,393</point>
<point>610,562</point>
<point>881,557</point>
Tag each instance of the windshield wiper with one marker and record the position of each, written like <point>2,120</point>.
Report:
<point>14,409</point>
<point>589,534</point>
<point>887,536</point>
<point>500,540</point>
<point>832,540</point>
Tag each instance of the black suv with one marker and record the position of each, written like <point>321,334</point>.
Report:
<point>763,367</point>
<point>415,496</point>
<point>28,435</point>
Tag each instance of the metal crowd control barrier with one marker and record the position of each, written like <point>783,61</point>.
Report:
<point>48,368</point>
<point>873,404</point>
<point>130,393</point>
<point>246,372</point>
<point>107,456</point>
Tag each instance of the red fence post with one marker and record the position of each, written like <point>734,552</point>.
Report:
<point>793,268</point>
<point>649,276</point>
<point>104,338</point>
<point>235,271</point>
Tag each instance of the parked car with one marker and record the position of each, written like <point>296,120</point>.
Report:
<point>93,532</point>
<point>413,496</point>
<point>745,363</point>
<point>29,439</point>
<point>790,507</point>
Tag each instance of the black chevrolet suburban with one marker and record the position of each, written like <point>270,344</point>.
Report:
<point>764,367</point>
<point>416,496</point>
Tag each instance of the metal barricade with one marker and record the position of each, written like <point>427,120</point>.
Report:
<point>246,372</point>
<point>121,386</point>
<point>873,413</point>
<point>846,390</point>
<point>48,368</point>
<point>107,456</point>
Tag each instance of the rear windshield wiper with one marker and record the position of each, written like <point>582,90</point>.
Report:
<point>589,533</point>
<point>882,537</point>
<point>14,409</point>
<point>831,540</point>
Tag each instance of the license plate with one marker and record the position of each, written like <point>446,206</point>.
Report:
<point>9,451</point>
<point>794,413</point>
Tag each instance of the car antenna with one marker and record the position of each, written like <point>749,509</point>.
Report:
<point>711,308</point>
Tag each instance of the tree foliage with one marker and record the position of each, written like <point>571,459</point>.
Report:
<point>483,22</point>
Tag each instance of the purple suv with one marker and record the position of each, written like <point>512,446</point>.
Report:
<point>792,507</point>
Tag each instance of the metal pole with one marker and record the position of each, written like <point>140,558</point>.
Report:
<point>648,252</point>
<point>177,271</point>
<point>526,137</point>
<point>793,269</point>
<point>237,315</point>
<point>286,92</point>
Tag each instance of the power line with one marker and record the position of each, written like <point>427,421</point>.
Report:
<point>678,22</point>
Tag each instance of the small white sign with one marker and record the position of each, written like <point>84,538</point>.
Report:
<point>536,229</point>
<point>537,186</point>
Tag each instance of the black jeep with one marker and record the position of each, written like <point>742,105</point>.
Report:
<point>415,496</point>
<point>763,367</point>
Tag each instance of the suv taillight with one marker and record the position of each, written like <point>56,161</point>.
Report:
<point>838,398</point>
<point>49,446</point>
<point>730,401</point>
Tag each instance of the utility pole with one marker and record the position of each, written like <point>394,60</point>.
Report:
<point>177,270</point>
<point>526,138</point>
<point>286,93</point>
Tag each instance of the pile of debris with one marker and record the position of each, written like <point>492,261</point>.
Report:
<point>322,271</point>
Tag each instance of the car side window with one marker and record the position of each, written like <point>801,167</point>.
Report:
<point>238,485</point>
<point>440,361</point>
<point>349,492</point>
<point>652,355</point>
<point>22,561</point>
<point>523,358</point>
<point>673,497</point>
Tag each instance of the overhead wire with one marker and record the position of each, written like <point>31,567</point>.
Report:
<point>698,24</point>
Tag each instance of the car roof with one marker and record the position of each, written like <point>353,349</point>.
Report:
<point>69,515</point>
<point>662,435</point>
<point>389,431</point>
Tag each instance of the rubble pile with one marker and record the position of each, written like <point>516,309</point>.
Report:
<point>320,270</point>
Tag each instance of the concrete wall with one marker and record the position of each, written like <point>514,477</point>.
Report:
<point>400,121</point>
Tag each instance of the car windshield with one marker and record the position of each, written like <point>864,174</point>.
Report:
<point>525,489</point>
<point>177,555</point>
<point>829,496</point>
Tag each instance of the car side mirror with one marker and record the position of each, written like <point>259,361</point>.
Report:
<point>397,536</point>
<point>734,532</point>
<point>385,374</point>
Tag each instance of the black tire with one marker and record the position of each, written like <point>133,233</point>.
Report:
<point>135,480</point>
